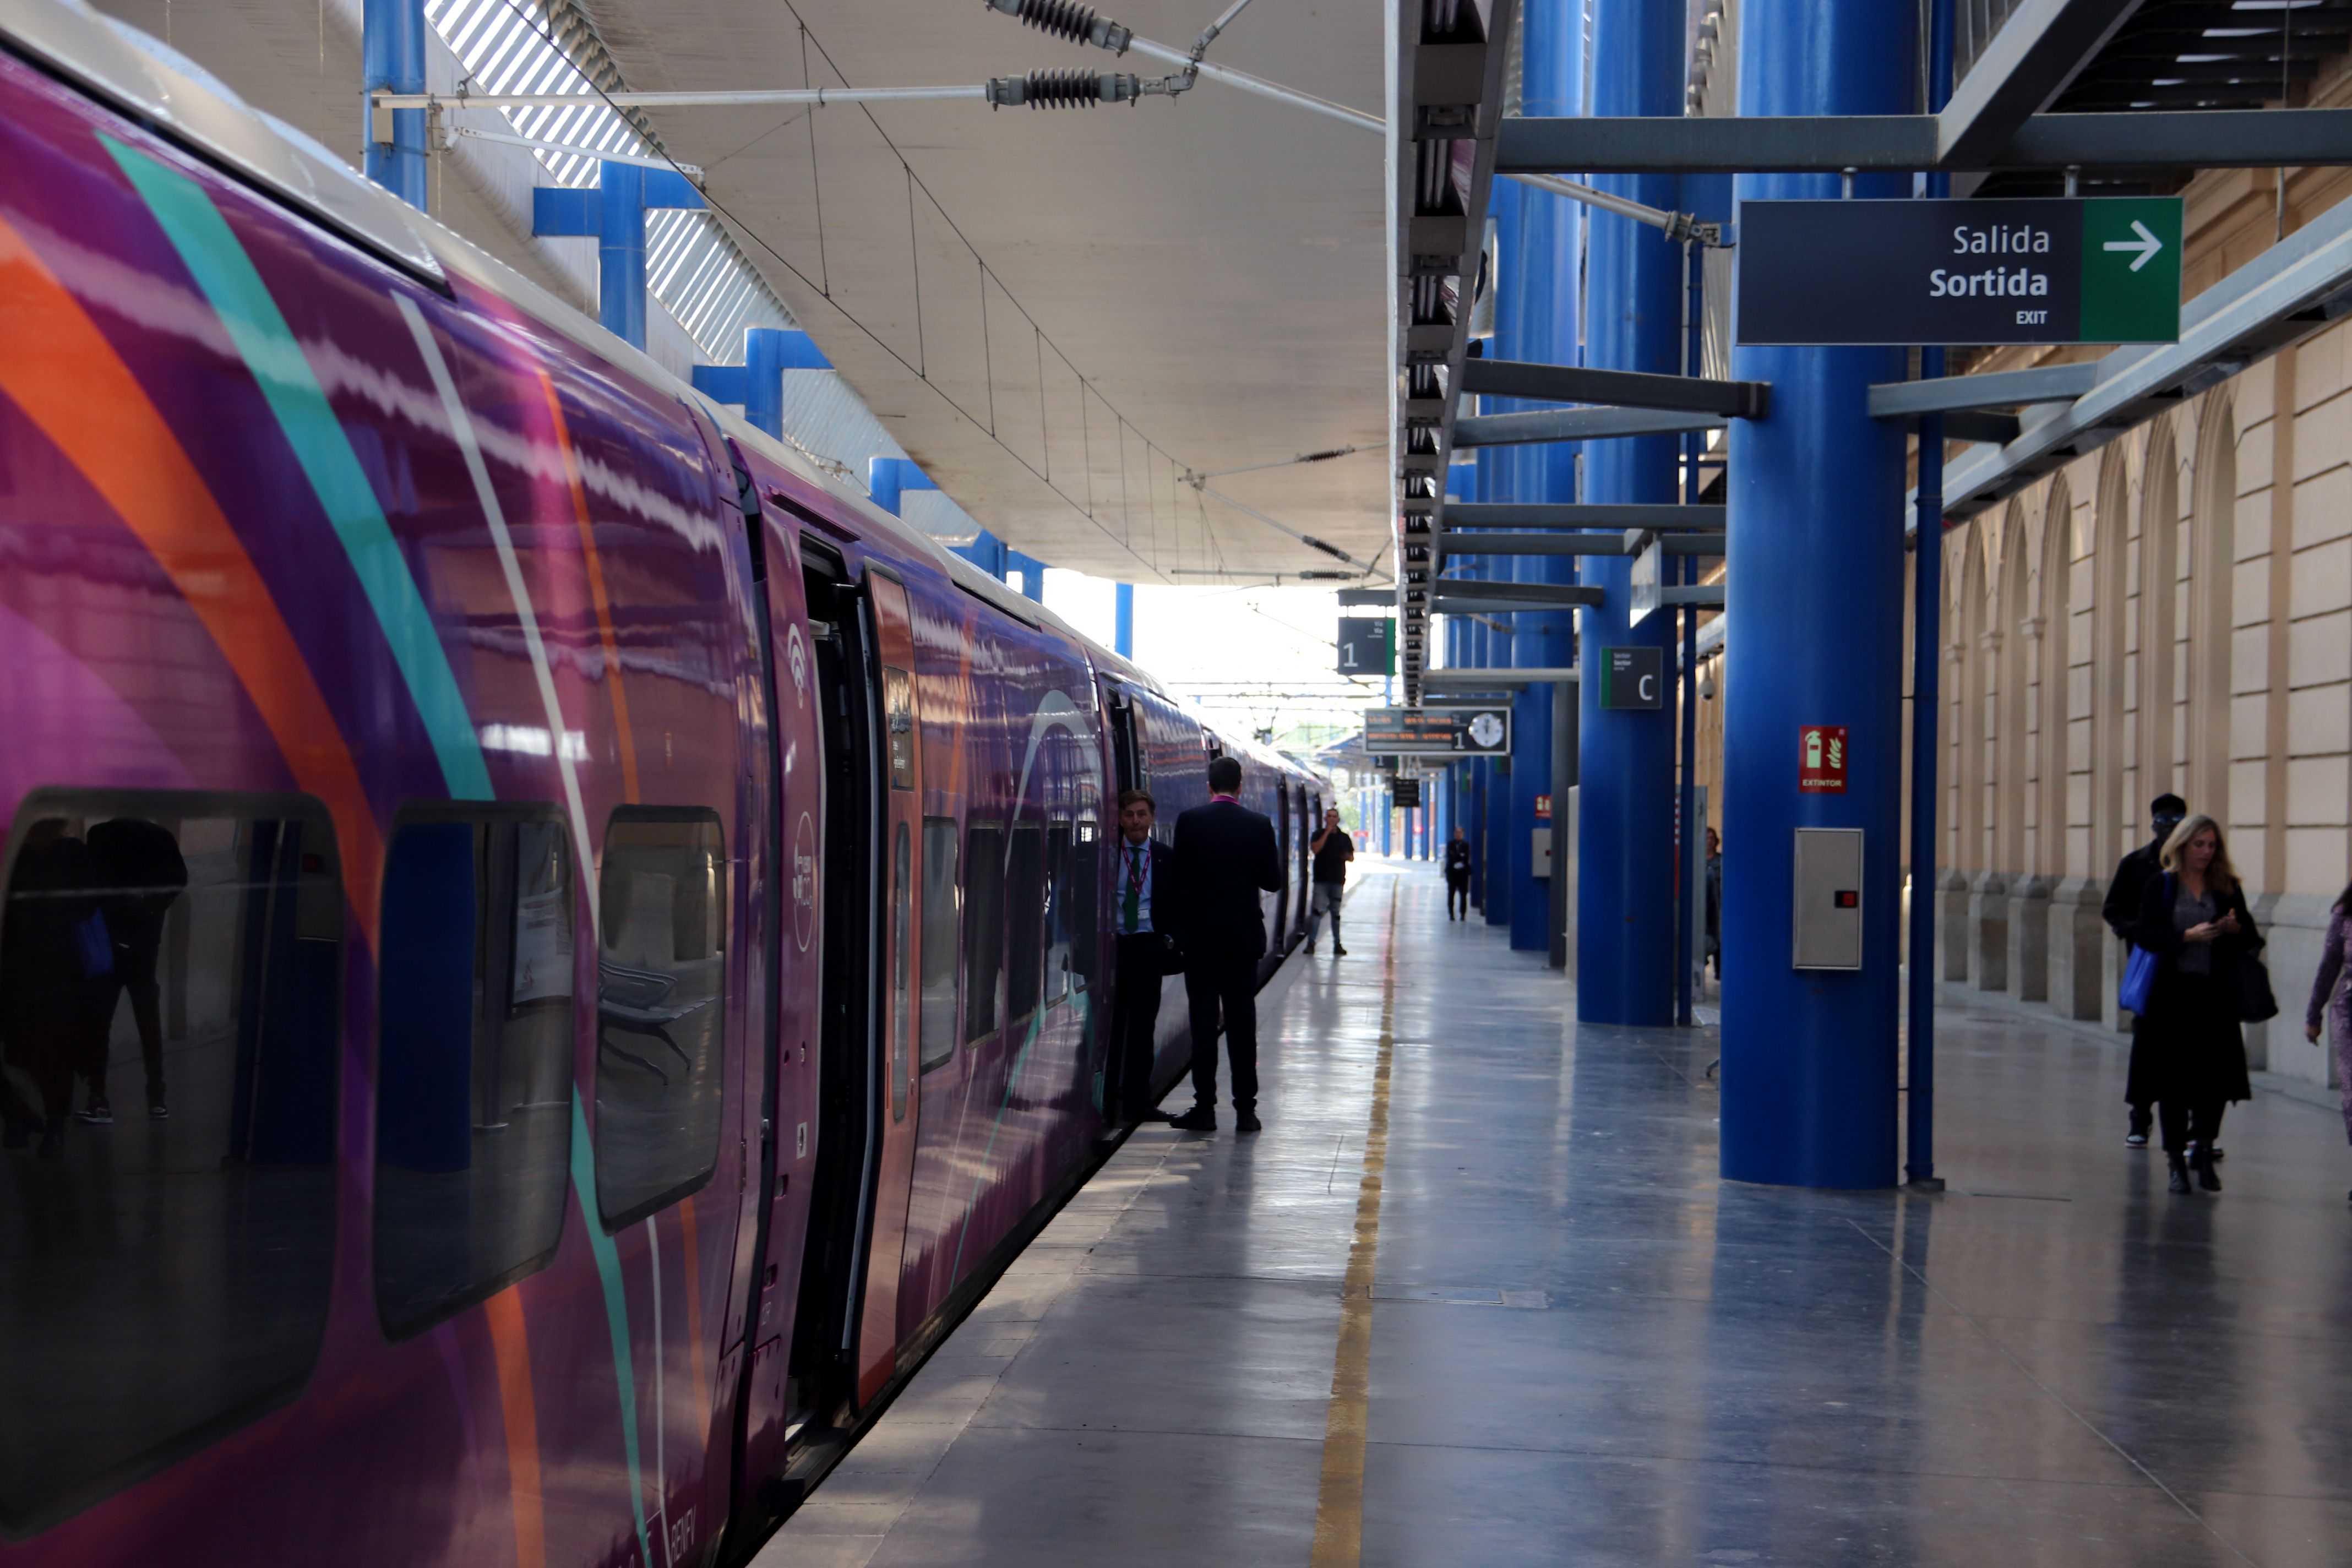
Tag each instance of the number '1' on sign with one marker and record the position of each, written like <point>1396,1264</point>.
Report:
<point>1821,759</point>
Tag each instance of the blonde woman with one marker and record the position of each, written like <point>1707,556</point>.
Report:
<point>2194,919</point>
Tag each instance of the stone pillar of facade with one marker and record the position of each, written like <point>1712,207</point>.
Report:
<point>1952,924</point>
<point>2029,937</point>
<point>2075,933</point>
<point>1989,931</point>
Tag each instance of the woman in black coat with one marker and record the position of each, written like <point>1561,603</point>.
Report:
<point>2188,1052</point>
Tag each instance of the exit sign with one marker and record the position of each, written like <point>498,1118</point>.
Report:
<point>2099,269</point>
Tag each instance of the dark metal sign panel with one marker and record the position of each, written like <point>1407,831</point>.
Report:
<point>2101,270</point>
<point>1633,678</point>
<point>1367,645</point>
<point>1404,793</point>
<point>1468,731</point>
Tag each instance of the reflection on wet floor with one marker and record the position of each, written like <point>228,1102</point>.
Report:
<point>1586,1349</point>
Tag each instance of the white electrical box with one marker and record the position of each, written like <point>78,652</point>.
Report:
<point>1828,918</point>
<point>1542,852</point>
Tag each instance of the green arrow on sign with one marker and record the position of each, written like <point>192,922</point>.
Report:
<point>2131,271</point>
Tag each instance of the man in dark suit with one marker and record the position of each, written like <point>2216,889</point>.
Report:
<point>1143,897</point>
<point>1225,856</point>
<point>2121,912</point>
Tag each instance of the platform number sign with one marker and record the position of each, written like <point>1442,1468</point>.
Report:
<point>1821,759</point>
<point>1367,645</point>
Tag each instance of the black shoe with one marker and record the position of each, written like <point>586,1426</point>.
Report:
<point>1247,1121</point>
<point>1153,1113</point>
<point>53,1139</point>
<point>2202,1161</point>
<point>1339,952</point>
<point>2179,1183</point>
<point>1311,950</point>
<point>1199,1119</point>
<point>99,1113</point>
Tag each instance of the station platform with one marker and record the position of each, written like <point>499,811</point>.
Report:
<point>1478,1295</point>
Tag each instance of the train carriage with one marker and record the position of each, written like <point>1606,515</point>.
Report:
<point>591,941</point>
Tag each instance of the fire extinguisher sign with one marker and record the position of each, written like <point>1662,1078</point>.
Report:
<point>1821,759</point>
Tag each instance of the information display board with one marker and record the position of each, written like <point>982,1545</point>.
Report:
<point>1426,731</point>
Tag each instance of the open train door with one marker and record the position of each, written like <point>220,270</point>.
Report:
<point>844,1338</point>
<point>898,962</point>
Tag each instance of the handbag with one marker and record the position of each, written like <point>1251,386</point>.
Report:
<point>94,945</point>
<point>2256,1000</point>
<point>2139,979</point>
<point>2140,968</point>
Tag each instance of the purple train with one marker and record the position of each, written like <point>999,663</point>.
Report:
<point>550,952</point>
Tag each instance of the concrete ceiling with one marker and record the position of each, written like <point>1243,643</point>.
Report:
<point>1058,313</point>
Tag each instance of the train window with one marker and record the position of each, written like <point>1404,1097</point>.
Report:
<point>902,991</point>
<point>983,932</point>
<point>661,987</point>
<point>1024,920</point>
<point>1080,908</point>
<point>1058,896</point>
<point>474,1056</point>
<point>163,1284</point>
<point>942,911</point>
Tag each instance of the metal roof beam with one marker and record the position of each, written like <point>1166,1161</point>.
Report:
<point>1474,593</point>
<point>1999,389</point>
<point>2182,139</point>
<point>2031,61</point>
<point>1575,425</point>
<point>1617,388</point>
<point>1655,516</point>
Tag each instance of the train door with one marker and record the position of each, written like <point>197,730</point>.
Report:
<point>1284,832</point>
<point>1310,823</point>
<point>849,1275</point>
<point>900,961</point>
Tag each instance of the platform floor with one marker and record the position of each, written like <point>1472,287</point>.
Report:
<point>1580,1346</point>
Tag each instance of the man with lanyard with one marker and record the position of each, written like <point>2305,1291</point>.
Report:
<point>2166,812</point>
<point>1332,849</point>
<point>1143,950</point>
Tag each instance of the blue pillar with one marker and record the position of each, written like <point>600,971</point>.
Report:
<point>758,383</point>
<point>1624,909</point>
<point>1816,499</point>
<point>1552,50</point>
<point>1031,573</point>
<point>1122,636</point>
<point>392,58</point>
<point>614,215</point>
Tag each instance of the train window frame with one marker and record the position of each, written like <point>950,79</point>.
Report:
<point>982,955</point>
<point>617,1220</point>
<point>312,912</point>
<point>940,1001</point>
<point>479,814</point>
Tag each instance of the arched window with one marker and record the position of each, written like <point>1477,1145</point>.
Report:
<point>2208,647</point>
<point>2056,749</point>
<point>2010,656</point>
<point>2111,828</point>
<point>2157,677</point>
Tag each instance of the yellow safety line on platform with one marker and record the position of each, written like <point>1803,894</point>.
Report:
<point>1339,1506</point>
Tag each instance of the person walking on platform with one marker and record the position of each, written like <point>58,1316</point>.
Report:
<point>1144,958</point>
<point>2335,965</point>
<point>1332,849</point>
<point>1225,856</point>
<point>1715,902</point>
<point>1457,875</point>
<point>2187,1046</point>
<point>2121,912</point>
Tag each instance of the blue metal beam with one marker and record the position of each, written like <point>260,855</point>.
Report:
<point>392,59</point>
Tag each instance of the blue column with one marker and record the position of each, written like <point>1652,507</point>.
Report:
<point>1122,636</point>
<point>615,214</point>
<point>1624,913</point>
<point>392,57</point>
<point>758,383</point>
<point>1816,497</point>
<point>1544,301</point>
